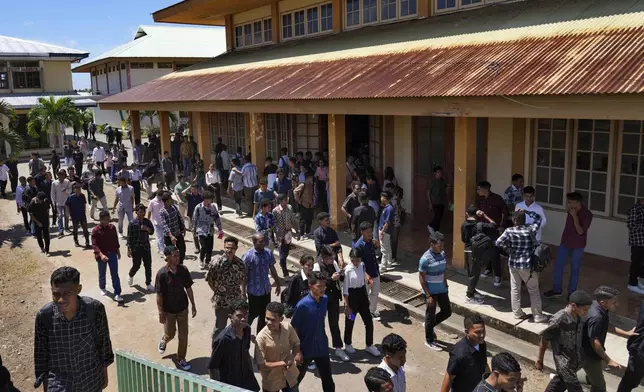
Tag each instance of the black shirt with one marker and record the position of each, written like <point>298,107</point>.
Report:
<point>231,357</point>
<point>635,344</point>
<point>363,213</point>
<point>467,364</point>
<point>172,287</point>
<point>484,386</point>
<point>78,157</point>
<point>351,203</point>
<point>96,186</point>
<point>327,236</point>
<point>596,327</point>
<point>40,210</point>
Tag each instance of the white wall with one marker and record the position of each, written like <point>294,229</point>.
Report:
<point>140,76</point>
<point>404,157</point>
<point>499,155</point>
<point>114,82</point>
<point>110,117</point>
<point>102,84</point>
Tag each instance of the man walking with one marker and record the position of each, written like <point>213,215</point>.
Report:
<point>477,252</point>
<point>167,165</point>
<point>107,253</point>
<point>97,193</point>
<point>363,213</point>
<point>236,186</point>
<point>173,285</point>
<point>123,203</point>
<point>385,229</point>
<point>98,156</point>
<point>205,217</point>
<point>505,375</point>
<point>394,348</point>
<point>249,178</point>
<point>21,205</point>
<point>635,225</point>
<point>39,211</point>
<point>285,223</point>
<point>259,262</point>
<point>520,244</point>
<point>193,197</point>
<point>635,345</point>
<point>60,362</point>
<point>77,208</point>
<point>368,247</point>
<point>60,191</point>
<point>138,246</point>
<point>468,359</point>
<point>154,211</point>
<point>187,153</point>
<point>437,196</point>
<point>573,242</point>
<point>304,196</point>
<point>213,183</point>
<point>174,228</point>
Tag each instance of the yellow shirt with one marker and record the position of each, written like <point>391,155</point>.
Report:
<point>275,347</point>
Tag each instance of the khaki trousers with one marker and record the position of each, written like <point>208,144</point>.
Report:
<point>172,321</point>
<point>531,283</point>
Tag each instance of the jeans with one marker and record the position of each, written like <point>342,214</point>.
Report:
<point>284,250</point>
<point>62,213</point>
<point>385,248</point>
<point>633,375</point>
<point>333,317</point>
<point>637,265</point>
<point>374,291</point>
<point>593,374</point>
<point>172,321</point>
<point>144,255</point>
<point>358,301</point>
<point>113,263</point>
<point>205,253</point>
<point>42,235</point>
<point>95,201</point>
<point>560,263</point>
<point>187,167</point>
<point>324,367</point>
<point>83,223</point>
<point>158,231</point>
<point>257,309</point>
<point>69,162</point>
<point>557,384</point>
<point>473,266</point>
<point>181,245</point>
<point>439,210</point>
<point>122,212</point>
<point>531,280</point>
<point>136,185</point>
<point>432,319</point>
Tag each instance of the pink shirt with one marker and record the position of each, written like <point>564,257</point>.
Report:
<point>322,173</point>
<point>155,207</point>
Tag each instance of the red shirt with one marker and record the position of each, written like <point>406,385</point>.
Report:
<point>105,240</point>
<point>494,206</point>
<point>570,238</point>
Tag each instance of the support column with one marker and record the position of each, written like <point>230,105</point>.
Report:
<point>257,140</point>
<point>229,32</point>
<point>135,125</point>
<point>164,130</point>
<point>518,146</point>
<point>337,171</point>
<point>464,179</point>
<point>201,121</point>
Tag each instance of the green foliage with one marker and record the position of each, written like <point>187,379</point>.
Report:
<point>8,132</point>
<point>50,114</point>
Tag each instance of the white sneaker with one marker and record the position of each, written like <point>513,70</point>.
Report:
<point>478,295</point>
<point>540,318</point>
<point>118,298</point>
<point>497,281</point>
<point>433,346</point>
<point>349,348</point>
<point>473,300</point>
<point>150,288</point>
<point>520,316</point>
<point>103,293</point>
<point>373,350</point>
<point>341,354</point>
<point>130,281</point>
<point>636,289</point>
<point>311,367</point>
<point>375,316</point>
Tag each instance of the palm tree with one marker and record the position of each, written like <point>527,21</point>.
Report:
<point>153,113</point>
<point>8,132</point>
<point>50,114</point>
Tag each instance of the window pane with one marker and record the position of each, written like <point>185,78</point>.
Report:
<point>353,12</point>
<point>388,9</point>
<point>629,164</point>
<point>544,123</point>
<point>630,143</point>
<point>632,126</point>
<point>627,185</point>
<point>543,175</point>
<point>557,177</point>
<point>327,17</point>
<point>602,142</point>
<point>268,30</point>
<point>248,34</point>
<point>583,160</point>
<point>640,188</point>
<point>584,141</point>
<point>257,33</point>
<point>556,196</point>
<point>602,125</point>
<point>599,182</point>
<point>543,139</point>
<point>559,140</point>
<point>287,26</point>
<point>598,201</point>
<point>624,204</point>
<point>542,194</point>
<point>543,157</point>
<point>239,39</point>
<point>408,7</point>
<point>299,23</point>
<point>582,180</point>
<point>600,162</point>
<point>585,125</point>
<point>558,158</point>
<point>312,20</point>
<point>369,11</point>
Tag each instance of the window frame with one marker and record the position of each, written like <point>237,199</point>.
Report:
<point>397,18</point>
<point>6,79</point>
<point>567,156</point>
<point>164,65</point>
<point>241,27</point>
<point>618,165</point>
<point>305,12</point>
<point>376,145</point>
<point>458,6</point>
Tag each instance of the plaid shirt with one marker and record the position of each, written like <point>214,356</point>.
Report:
<point>286,220</point>
<point>138,238</point>
<point>513,195</point>
<point>519,241</point>
<point>172,221</point>
<point>635,224</point>
<point>65,353</point>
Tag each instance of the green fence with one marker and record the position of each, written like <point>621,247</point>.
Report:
<point>136,374</point>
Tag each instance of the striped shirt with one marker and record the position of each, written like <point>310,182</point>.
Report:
<point>433,265</point>
<point>249,175</point>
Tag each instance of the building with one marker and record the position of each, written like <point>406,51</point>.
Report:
<point>31,70</point>
<point>155,51</point>
<point>552,89</point>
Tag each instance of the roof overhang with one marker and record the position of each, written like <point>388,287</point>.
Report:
<point>71,57</point>
<point>87,67</point>
<point>205,12</point>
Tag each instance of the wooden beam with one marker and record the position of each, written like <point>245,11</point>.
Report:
<point>257,139</point>
<point>202,132</point>
<point>337,170</point>
<point>164,130</point>
<point>518,146</point>
<point>135,125</point>
<point>464,179</point>
<point>423,8</point>
<point>338,19</point>
<point>229,33</point>
<point>277,22</point>
<point>388,139</point>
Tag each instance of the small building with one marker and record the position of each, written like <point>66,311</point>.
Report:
<point>155,51</point>
<point>552,89</point>
<point>31,70</point>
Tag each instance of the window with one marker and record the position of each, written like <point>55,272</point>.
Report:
<point>312,20</point>
<point>268,30</point>
<point>164,65</point>
<point>231,128</point>
<point>592,164</point>
<point>631,166</point>
<point>239,36</point>
<point>248,34</point>
<point>550,162</point>
<point>465,3</point>
<point>141,65</point>
<point>123,66</point>
<point>287,26</point>
<point>299,23</point>
<point>408,7</point>
<point>258,34</point>
<point>4,80</point>
<point>26,79</point>
<point>388,9</point>
<point>353,13</point>
<point>307,132</point>
<point>364,12</point>
<point>370,11</point>
<point>451,5</point>
<point>327,17</point>
<point>254,33</point>
<point>272,148</point>
<point>375,143</point>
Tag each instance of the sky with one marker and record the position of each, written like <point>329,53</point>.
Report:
<point>95,26</point>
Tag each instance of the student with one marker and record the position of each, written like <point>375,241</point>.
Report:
<point>213,184</point>
<point>298,286</point>
<point>174,228</point>
<point>385,229</point>
<point>97,193</point>
<point>4,178</point>
<point>123,203</point>
<point>479,256</point>
<point>351,202</point>
<point>564,331</point>
<point>282,184</point>
<point>356,302</point>
<point>394,348</point>
<point>249,179</point>
<point>468,359</point>
<point>513,194</point>
<point>236,186</point>
<point>494,207</point>
<point>39,211</point>
<point>363,213</point>
<point>205,218</point>
<point>505,375</point>
<point>28,195</point>
<point>635,345</point>
<point>285,223</point>
<point>154,211</point>
<point>60,191</point>
<point>21,206</point>
<point>270,172</point>
<point>193,197</point>
<point>76,208</point>
<point>107,253</point>
<point>306,207</point>
<point>573,242</point>
<point>265,223</point>
<point>635,225</point>
<point>276,352</point>
<point>308,321</point>
<point>326,235</point>
<point>230,360</point>
<point>179,189</point>
<point>173,285</point>
<point>138,246</point>
<point>368,248</point>
<point>263,193</point>
<point>431,273</point>
<point>378,380</point>
<point>60,326</point>
<point>597,326</point>
<point>135,181</point>
<point>529,204</point>
<point>438,198</point>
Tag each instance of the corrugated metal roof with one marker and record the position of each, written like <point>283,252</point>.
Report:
<point>27,101</point>
<point>17,47</point>
<point>590,56</point>
<point>167,42</point>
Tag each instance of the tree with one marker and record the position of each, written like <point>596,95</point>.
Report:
<point>8,132</point>
<point>153,113</point>
<point>50,114</point>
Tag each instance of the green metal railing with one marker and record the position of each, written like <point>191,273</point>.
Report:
<point>136,374</point>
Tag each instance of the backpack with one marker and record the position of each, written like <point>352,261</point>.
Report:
<point>541,255</point>
<point>480,241</point>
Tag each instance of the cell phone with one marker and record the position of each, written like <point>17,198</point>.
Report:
<point>352,317</point>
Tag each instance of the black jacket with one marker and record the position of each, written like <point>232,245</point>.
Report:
<point>298,288</point>
<point>468,229</point>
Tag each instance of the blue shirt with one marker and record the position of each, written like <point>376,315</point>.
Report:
<point>433,265</point>
<point>308,321</point>
<point>264,223</point>
<point>257,269</point>
<point>259,195</point>
<point>282,187</point>
<point>387,216</point>
<point>193,201</point>
<point>76,204</point>
<point>368,256</point>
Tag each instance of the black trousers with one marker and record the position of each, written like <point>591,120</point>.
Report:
<point>14,181</point>
<point>394,241</point>
<point>633,375</point>
<point>25,219</point>
<point>169,179</point>
<point>83,223</point>
<point>3,188</point>
<point>432,319</point>
<point>216,190</point>
<point>54,214</point>
<point>224,178</point>
<point>637,265</point>
<point>324,367</point>
<point>557,384</point>
<point>359,304</point>
<point>205,253</point>
<point>238,196</point>
<point>101,165</point>
<point>473,266</point>
<point>79,168</point>
<point>137,191</point>
<point>306,219</point>
<point>42,235</point>
<point>493,261</point>
<point>144,255</point>
<point>181,245</point>
<point>333,318</point>
<point>439,210</point>
<point>257,309</point>
<point>249,193</point>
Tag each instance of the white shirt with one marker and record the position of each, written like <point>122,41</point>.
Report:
<point>528,220</point>
<point>398,379</point>
<point>98,154</point>
<point>225,159</point>
<point>155,206</point>
<point>4,170</point>
<point>60,191</point>
<point>136,174</point>
<point>283,161</point>
<point>213,177</point>
<point>354,277</point>
<point>19,191</point>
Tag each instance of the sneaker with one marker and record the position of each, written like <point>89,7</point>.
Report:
<point>311,367</point>
<point>76,244</point>
<point>184,365</point>
<point>552,294</point>
<point>61,234</point>
<point>150,288</point>
<point>118,298</point>
<point>640,283</point>
<point>540,318</point>
<point>520,316</point>
<point>341,354</point>
<point>349,349</point>
<point>473,300</point>
<point>42,250</point>
<point>373,350</point>
<point>635,289</point>
<point>130,281</point>
<point>103,293</point>
<point>161,347</point>
<point>478,295</point>
<point>375,316</point>
<point>87,245</point>
<point>433,346</point>
<point>497,281</point>
<point>486,273</point>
